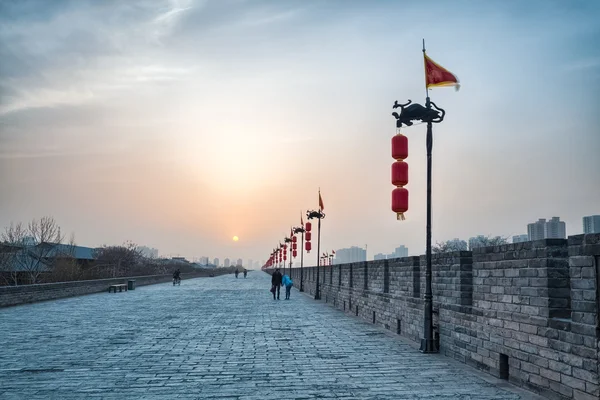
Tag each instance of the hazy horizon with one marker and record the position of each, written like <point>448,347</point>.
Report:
<point>180,124</point>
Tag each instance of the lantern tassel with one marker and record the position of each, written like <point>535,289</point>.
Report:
<point>400,216</point>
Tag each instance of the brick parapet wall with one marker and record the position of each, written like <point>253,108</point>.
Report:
<point>532,306</point>
<point>15,295</point>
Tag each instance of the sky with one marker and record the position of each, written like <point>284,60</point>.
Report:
<point>179,124</point>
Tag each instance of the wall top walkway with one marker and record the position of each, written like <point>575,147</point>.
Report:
<point>215,338</point>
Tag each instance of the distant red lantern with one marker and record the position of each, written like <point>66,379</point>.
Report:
<point>307,236</point>
<point>308,227</point>
<point>399,173</point>
<point>400,202</point>
<point>284,256</point>
<point>295,253</point>
<point>307,247</point>
<point>294,246</point>
<point>285,247</point>
<point>399,147</point>
<point>294,239</point>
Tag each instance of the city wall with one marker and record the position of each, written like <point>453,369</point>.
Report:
<point>525,312</point>
<point>15,295</point>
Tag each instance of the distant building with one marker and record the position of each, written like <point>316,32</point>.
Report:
<point>535,230</point>
<point>239,262</point>
<point>226,263</point>
<point>148,252</point>
<point>520,238</point>
<point>477,241</point>
<point>379,256</point>
<point>401,251</point>
<point>555,229</point>
<point>542,229</point>
<point>349,255</point>
<point>591,224</point>
<point>216,262</point>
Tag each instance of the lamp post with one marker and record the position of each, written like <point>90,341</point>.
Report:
<point>301,230</point>
<point>288,240</point>
<point>319,215</point>
<point>430,114</point>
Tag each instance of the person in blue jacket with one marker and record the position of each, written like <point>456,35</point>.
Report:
<point>287,282</point>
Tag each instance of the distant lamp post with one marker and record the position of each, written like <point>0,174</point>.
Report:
<point>288,241</point>
<point>296,231</point>
<point>319,215</point>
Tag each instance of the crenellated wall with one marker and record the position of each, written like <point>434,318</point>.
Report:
<point>526,312</point>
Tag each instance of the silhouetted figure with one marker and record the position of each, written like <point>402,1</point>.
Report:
<point>245,272</point>
<point>176,277</point>
<point>276,283</point>
<point>236,273</point>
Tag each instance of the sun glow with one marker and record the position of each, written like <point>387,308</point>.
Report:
<point>235,238</point>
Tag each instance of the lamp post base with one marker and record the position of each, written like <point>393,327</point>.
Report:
<point>428,346</point>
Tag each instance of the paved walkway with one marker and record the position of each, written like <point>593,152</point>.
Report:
<point>217,338</point>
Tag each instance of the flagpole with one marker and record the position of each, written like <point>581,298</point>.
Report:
<point>427,343</point>
<point>302,263</point>
<point>426,90</point>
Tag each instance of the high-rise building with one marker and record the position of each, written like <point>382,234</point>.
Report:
<point>379,256</point>
<point>555,229</point>
<point>216,262</point>
<point>520,238</point>
<point>535,230</point>
<point>542,229</point>
<point>401,251</point>
<point>239,262</point>
<point>591,224</point>
<point>352,254</point>
<point>226,263</point>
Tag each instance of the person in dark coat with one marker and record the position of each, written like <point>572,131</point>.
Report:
<point>276,283</point>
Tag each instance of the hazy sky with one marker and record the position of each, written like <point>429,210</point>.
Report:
<point>179,124</point>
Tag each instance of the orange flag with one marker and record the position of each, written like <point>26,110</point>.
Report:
<point>436,75</point>
<point>321,206</point>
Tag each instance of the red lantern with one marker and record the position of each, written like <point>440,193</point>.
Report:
<point>307,246</point>
<point>308,226</point>
<point>295,253</point>
<point>284,256</point>
<point>307,236</point>
<point>294,239</point>
<point>285,247</point>
<point>399,173</point>
<point>400,202</point>
<point>294,246</point>
<point>399,147</point>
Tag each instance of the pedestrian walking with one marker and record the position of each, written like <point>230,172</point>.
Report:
<point>236,273</point>
<point>245,272</point>
<point>287,282</point>
<point>276,283</point>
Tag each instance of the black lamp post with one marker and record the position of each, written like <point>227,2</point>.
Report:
<point>430,114</point>
<point>319,215</point>
<point>301,230</point>
<point>288,240</point>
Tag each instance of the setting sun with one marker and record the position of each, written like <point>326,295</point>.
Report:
<point>235,238</point>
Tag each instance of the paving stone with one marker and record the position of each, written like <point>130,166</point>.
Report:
<point>218,338</point>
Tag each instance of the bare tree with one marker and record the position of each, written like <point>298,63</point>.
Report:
<point>449,246</point>
<point>118,260</point>
<point>487,241</point>
<point>34,246</point>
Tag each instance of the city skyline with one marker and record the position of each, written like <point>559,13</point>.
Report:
<point>181,124</point>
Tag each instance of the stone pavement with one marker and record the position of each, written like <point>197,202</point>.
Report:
<point>218,338</point>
